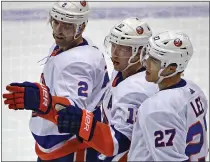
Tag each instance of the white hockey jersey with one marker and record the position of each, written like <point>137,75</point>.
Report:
<point>78,74</point>
<point>120,106</point>
<point>171,126</point>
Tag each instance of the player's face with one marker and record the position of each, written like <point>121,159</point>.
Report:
<point>63,33</point>
<point>152,68</point>
<point>120,56</point>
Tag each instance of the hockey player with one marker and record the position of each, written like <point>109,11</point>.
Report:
<point>171,125</point>
<point>74,74</point>
<point>128,90</point>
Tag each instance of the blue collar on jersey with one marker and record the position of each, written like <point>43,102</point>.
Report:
<point>181,83</point>
<point>84,43</point>
<point>119,77</point>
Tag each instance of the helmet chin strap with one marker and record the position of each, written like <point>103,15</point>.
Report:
<point>163,77</point>
<point>77,32</point>
<point>130,63</point>
<point>79,29</point>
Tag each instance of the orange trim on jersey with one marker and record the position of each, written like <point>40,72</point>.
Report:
<point>60,100</point>
<point>51,116</point>
<point>102,139</point>
<point>115,82</point>
<point>80,156</point>
<point>55,52</point>
<point>68,148</point>
<point>86,125</point>
<point>124,158</point>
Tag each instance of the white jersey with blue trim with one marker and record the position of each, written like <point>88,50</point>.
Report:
<point>171,126</point>
<point>78,74</point>
<point>126,97</point>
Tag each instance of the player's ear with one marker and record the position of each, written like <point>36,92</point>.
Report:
<point>137,56</point>
<point>169,70</point>
<point>172,67</point>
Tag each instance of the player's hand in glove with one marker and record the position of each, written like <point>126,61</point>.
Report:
<point>74,120</point>
<point>29,96</point>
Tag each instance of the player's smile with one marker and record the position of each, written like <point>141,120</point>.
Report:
<point>148,76</point>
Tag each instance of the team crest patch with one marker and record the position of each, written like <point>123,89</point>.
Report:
<point>177,42</point>
<point>139,30</point>
<point>83,3</point>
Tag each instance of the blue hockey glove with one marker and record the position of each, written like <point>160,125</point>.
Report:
<point>29,96</point>
<point>76,121</point>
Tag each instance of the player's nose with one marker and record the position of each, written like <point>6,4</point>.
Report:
<point>58,28</point>
<point>145,63</point>
<point>114,59</point>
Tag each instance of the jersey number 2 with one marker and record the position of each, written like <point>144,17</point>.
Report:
<point>192,147</point>
<point>196,129</point>
<point>82,90</point>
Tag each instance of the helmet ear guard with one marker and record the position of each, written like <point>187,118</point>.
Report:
<point>79,30</point>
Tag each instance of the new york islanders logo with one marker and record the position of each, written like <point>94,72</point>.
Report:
<point>139,30</point>
<point>177,42</point>
<point>64,4</point>
<point>83,3</point>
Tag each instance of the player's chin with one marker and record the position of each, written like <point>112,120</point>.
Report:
<point>116,66</point>
<point>148,77</point>
<point>59,40</point>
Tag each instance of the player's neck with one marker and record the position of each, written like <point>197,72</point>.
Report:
<point>131,70</point>
<point>73,44</point>
<point>167,82</point>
